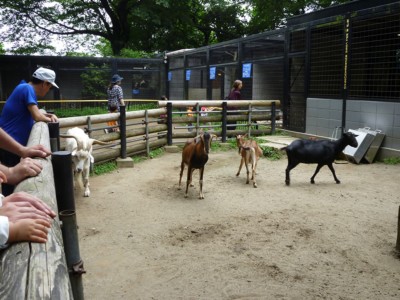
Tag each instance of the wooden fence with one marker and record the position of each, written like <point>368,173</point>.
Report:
<point>140,131</point>
<point>32,270</point>
<point>42,271</point>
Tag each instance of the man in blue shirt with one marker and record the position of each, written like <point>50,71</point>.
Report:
<point>20,112</point>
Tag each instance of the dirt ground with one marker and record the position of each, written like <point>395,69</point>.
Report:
<point>141,239</point>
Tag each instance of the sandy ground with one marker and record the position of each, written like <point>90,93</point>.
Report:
<point>141,239</point>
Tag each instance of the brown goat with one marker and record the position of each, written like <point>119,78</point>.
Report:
<point>195,156</point>
<point>251,153</point>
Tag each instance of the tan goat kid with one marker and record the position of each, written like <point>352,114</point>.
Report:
<point>250,152</point>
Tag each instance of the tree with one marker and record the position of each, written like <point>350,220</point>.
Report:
<point>151,25</point>
<point>272,14</point>
<point>134,27</point>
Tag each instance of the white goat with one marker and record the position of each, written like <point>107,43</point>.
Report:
<point>250,153</point>
<point>80,146</point>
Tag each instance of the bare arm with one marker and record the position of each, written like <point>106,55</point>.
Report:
<point>27,167</point>
<point>38,116</point>
<point>9,144</point>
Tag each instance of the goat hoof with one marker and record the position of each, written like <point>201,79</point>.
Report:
<point>287,182</point>
<point>255,185</point>
<point>186,196</point>
<point>338,182</point>
<point>237,174</point>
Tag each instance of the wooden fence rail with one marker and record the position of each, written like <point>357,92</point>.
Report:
<point>32,270</point>
<point>143,133</point>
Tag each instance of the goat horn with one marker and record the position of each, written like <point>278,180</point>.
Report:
<point>100,142</point>
<point>78,141</point>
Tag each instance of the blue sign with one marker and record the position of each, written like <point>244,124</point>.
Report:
<point>188,75</point>
<point>246,70</point>
<point>169,76</point>
<point>213,71</point>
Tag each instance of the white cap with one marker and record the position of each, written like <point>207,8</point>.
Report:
<point>46,75</point>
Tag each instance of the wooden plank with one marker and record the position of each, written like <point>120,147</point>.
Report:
<point>32,270</point>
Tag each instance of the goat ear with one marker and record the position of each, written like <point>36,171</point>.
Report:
<point>73,153</point>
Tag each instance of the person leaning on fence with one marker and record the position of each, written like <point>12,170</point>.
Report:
<point>23,218</point>
<point>234,95</point>
<point>21,111</point>
<point>115,98</point>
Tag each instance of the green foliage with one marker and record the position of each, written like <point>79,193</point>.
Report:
<point>2,51</point>
<point>217,146</point>
<point>156,152</point>
<point>271,153</point>
<point>94,81</point>
<point>153,154</point>
<point>392,160</point>
<point>84,111</point>
<point>104,168</point>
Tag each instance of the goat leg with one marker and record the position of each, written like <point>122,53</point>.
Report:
<point>316,172</point>
<point>254,175</point>
<point>240,166</point>
<point>201,195</point>
<point>248,173</point>
<point>85,175</point>
<point>188,180</point>
<point>180,174</point>
<point>333,173</point>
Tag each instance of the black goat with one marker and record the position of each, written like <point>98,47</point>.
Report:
<point>317,152</point>
<point>195,156</point>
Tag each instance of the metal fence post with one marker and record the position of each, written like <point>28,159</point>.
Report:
<point>224,113</point>
<point>122,130</point>
<point>146,128</point>
<point>89,126</point>
<point>63,180</point>
<point>69,230</point>
<point>273,117</point>
<point>250,123</point>
<point>64,186</point>
<point>54,133</point>
<point>169,123</point>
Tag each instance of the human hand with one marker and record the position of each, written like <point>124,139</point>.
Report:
<point>53,117</point>
<point>27,167</point>
<point>28,230</point>
<point>22,205</point>
<point>35,151</point>
<point>3,177</point>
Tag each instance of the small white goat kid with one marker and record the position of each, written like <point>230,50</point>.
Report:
<point>79,144</point>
